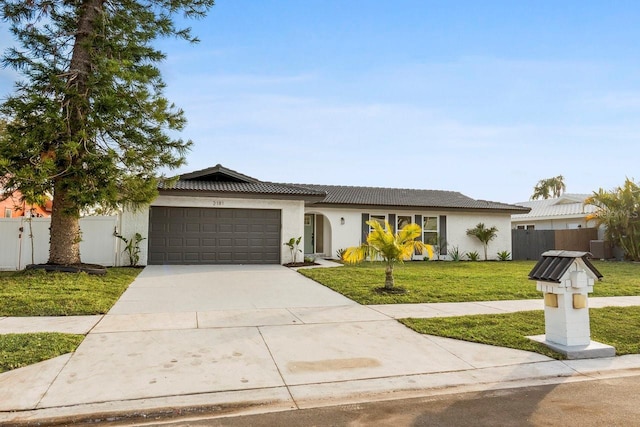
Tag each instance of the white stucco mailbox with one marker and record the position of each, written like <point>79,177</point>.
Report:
<point>566,278</point>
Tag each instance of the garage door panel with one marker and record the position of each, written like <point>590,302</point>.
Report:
<point>192,256</point>
<point>271,228</point>
<point>208,228</point>
<point>225,242</point>
<point>179,235</point>
<point>174,256</point>
<point>240,242</point>
<point>175,227</point>
<point>192,228</point>
<point>225,257</point>
<point>175,242</point>
<point>192,243</point>
<point>208,242</point>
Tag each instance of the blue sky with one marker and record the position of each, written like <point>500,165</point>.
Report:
<point>481,97</point>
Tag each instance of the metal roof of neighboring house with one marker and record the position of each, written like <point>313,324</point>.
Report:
<point>552,265</point>
<point>571,205</point>
<point>379,196</point>
<point>223,180</point>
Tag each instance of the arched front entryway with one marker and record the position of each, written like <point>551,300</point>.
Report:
<point>317,234</point>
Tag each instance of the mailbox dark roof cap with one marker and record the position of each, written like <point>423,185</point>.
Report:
<point>553,264</point>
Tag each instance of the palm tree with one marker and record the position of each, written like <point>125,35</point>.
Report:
<point>485,235</point>
<point>619,211</point>
<point>550,187</point>
<point>392,248</point>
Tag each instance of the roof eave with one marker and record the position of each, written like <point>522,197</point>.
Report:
<point>432,207</point>
<point>549,217</point>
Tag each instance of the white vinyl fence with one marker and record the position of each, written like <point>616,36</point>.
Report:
<point>98,245</point>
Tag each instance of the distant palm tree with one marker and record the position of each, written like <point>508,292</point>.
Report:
<point>392,248</point>
<point>550,187</point>
<point>485,235</point>
<point>619,211</point>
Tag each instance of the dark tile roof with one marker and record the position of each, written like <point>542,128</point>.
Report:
<point>223,180</point>
<point>378,196</point>
<point>553,264</point>
<point>240,187</point>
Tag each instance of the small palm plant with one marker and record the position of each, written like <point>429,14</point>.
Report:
<point>392,248</point>
<point>485,235</point>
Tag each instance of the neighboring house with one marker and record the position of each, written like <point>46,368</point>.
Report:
<point>13,207</point>
<point>560,224</point>
<point>220,216</point>
<point>565,212</point>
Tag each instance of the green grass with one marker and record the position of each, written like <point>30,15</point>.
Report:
<point>18,350</point>
<point>38,293</point>
<point>461,281</point>
<point>510,329</point>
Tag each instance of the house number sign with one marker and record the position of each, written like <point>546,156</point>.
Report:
<point>218,203</point>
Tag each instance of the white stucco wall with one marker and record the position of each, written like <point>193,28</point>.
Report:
<point>349,234</point>
<point>459,223</point>
<point>561,223</point>
<point>132,222</point>
<point>292,217</point>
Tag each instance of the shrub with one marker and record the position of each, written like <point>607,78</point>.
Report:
<point>504,255</point>
<point>473,256</point>
<point>454,253</point>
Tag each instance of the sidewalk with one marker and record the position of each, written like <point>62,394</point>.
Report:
<point>84,324</point>
<point>235,348</point>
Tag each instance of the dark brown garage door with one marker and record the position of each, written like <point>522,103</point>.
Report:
<point>213,236</point>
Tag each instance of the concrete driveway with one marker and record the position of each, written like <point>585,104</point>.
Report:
<point>228,334</point>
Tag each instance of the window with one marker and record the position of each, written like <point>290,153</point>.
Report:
<point>531,227</point>
<point>403,221</point>
<point>430,230</point>
<point>307,220</point>
<point>7,212</point>
<point>380,218</point>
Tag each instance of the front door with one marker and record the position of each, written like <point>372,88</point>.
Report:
<point>309,233</point>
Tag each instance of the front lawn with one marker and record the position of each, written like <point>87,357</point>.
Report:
<point>39,293</point>
<point>18,350</point>
<point>510,329</point>
<point>461,281</point>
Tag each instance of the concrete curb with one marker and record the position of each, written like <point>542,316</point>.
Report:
<point>277,399</point>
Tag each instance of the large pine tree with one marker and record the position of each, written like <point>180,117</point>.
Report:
<point>88,123</point>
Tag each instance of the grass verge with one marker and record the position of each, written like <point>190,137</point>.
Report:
<point>461,281</point>
<point>39,293</point>
<point>510,329</point>
<point>18,350</point>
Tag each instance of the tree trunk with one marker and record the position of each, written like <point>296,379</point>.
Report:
<point>485,251</point>
<point>388,277</point>
<point>64,243</point>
